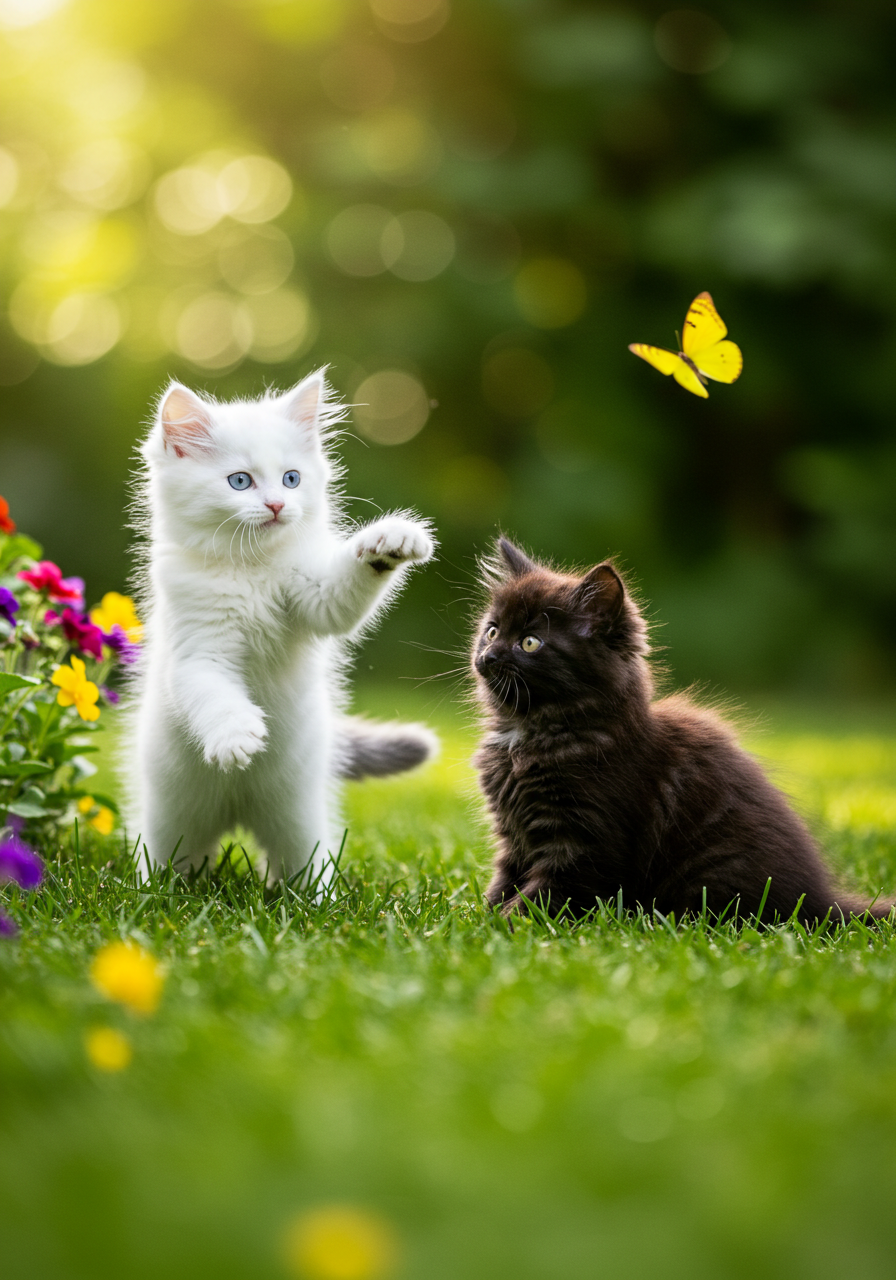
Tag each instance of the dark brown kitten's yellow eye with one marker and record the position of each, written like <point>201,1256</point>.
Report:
<point>530,644</point>
<point>491,633</point>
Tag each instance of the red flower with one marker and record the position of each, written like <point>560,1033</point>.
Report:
<point>47,576</point>
<point>6,525</point>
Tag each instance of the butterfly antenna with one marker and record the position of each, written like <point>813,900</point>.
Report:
<point>678,340</point>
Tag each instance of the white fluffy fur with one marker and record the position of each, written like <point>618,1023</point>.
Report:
<point>237,704</point>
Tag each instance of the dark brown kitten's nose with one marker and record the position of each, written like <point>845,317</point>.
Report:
<point>276,507</point>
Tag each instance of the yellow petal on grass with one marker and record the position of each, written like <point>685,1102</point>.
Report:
<point>338,1242</point>
<point>102,819</point>
<point>117,610</point>
<point>124,972</point>
<point>108,1049</point>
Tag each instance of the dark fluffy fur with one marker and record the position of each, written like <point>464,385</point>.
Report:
<point>594,787</point>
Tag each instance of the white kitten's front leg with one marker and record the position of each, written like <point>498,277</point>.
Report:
<point>227,725</point>
<point>392,541</point>
<point>362,572</point>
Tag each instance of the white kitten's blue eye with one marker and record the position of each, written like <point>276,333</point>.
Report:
<point>291,479</point>
<point>240,480</point>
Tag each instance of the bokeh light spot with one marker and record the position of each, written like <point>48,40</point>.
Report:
<point>106,174</point>
<point>690,41</point>
<point>9,176</point>
<point>550,292</point>
<point>410,21</point>
<point>517,382</point>
<point>417,245</point>
<point>254,189</point>
<point>339,1242</point>
<point>391,406</point>
<point>213,331</point>
<point>15,14</point>
<point>187,201</point>
<point>256,261</point>
<point>353,239</point>
<point>82,328</point>
<point>282,324</point>
<point>398,146</point>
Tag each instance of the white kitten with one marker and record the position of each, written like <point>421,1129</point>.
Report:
<point>249,579</point>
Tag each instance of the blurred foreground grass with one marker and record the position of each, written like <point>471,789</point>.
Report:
<point>615,1100</point>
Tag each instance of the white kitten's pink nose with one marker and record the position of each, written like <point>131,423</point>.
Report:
<point>276,507</point>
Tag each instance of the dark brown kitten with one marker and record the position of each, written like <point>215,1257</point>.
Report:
<point>593,787</point>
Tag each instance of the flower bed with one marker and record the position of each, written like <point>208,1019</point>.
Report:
<point>58,666</point>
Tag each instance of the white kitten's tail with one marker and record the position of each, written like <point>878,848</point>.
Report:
<point>368,750</point>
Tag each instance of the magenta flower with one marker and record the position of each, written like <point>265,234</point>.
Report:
<point>19,863</point>
<point>8,605</point>
<point>80,631</point>
<point>47,576</point>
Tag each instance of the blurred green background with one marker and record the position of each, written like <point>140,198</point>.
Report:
<point>469,211</point>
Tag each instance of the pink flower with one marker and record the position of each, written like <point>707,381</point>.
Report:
<point>47,576</point>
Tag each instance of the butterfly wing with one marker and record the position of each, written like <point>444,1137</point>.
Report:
<point>685,377</point>
<point>659,357</point>
<point>722,362</point>
<point>703,327</point>
<point>670,362</point>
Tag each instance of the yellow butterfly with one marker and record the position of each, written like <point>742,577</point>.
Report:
<point>705,355</point>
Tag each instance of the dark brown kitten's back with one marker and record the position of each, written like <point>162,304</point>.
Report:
<point>593,787</point>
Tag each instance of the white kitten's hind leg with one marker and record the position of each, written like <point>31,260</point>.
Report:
<point>186,834</point>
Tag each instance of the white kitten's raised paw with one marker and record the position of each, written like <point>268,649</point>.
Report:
<point>235,742</point>
<point>392,541</point>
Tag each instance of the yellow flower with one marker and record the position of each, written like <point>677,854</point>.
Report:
<point>117,610</point>
<point>76,690</point>
<point>124,972</point>
<point>103,820</point>
<point>107,1049</point>
<point>337,1242</point>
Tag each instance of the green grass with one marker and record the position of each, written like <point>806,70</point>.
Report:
<point>619,1100</point>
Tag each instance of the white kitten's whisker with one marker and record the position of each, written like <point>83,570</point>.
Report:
<point>235,516</point>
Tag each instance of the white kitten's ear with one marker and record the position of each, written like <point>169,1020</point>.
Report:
<point>185,420</point>
<point>303,404</point>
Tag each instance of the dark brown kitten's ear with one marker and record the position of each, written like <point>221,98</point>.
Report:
<point>601,593</point>
<point>516,561</point>
<point>186,421</point>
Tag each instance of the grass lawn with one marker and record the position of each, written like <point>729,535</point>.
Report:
<point>621,1099</point>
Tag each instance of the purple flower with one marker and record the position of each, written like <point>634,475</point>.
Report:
<point>117,639</point>
<point>8,605</point>
<point>7,926</point>
<point>19,863</point>
<point>111,695</point>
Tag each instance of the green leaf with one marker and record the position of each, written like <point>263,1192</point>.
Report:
<point>23,809</point>
<point>9,681</point>
<point>16,548</point>
<point>25,769</point>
